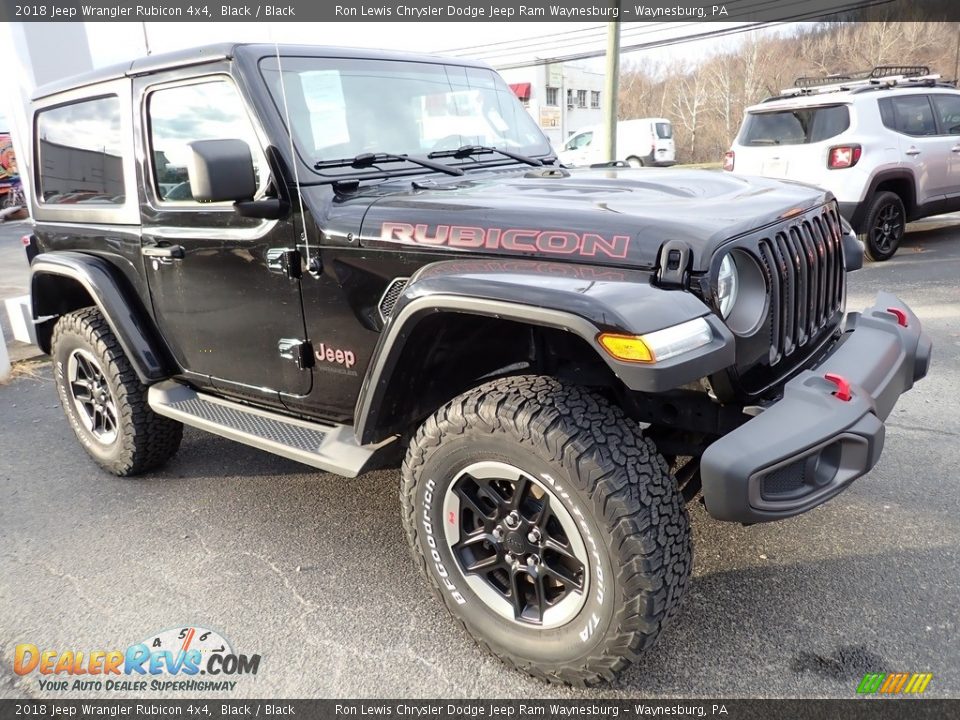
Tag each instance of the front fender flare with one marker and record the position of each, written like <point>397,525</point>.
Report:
<point>582,300</point>
<point>119,304</point>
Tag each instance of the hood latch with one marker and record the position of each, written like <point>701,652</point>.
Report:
<point>674,264</point>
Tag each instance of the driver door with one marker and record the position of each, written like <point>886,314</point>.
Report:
<point>227,309</point>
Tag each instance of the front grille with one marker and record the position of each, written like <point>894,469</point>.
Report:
<point>803,260</point>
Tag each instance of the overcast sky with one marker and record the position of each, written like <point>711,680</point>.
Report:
<point>118,42</point>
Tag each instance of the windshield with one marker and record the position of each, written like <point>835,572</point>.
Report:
<point>795,127</point>
<point>342,107</point>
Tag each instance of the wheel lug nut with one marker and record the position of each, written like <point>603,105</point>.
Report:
<point>498,533</point>
<point>534,536</point>
<point>508,559</point>
<point>513,519</point>
<point>533,560</point>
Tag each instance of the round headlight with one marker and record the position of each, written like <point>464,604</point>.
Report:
<point>728,286</point>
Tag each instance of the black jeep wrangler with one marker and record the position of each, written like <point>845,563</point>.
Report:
<point>354,259</point>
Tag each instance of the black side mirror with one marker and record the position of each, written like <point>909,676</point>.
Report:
<point>221,170</point>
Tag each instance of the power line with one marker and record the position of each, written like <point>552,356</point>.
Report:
<point>598,34</point>
<point>592,28</point>
<point>690,38</point>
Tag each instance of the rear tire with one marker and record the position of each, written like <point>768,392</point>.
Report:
<point>104,399</point>
<point>569,453</point>
<point>884,226</point>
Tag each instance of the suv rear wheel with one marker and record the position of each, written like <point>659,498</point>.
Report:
<point>884,226</point>
<point>104,399</point>
<point>548,525</point>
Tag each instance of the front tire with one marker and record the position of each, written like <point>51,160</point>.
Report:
<point>548,525</point>
<point>635,162</point>
<point>104,399</point>
<point>884,226</point>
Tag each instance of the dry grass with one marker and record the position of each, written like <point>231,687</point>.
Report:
<point>29,369</point>
<point>702,166</point>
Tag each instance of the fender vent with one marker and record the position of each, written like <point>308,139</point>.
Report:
<point>390,297</point>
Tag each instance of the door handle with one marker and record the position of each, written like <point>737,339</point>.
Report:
<point>169,252</point>
<point>911,151</point>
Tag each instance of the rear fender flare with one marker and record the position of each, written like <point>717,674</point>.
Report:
<point>122,309</point>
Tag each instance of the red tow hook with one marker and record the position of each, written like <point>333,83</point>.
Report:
<point>900,315</point>
<point>843,387</point>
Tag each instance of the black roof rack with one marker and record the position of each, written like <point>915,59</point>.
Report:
<point>880,71</point>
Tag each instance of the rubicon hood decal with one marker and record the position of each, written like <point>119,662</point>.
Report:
<point>620,217</point>
<point>550,242</point>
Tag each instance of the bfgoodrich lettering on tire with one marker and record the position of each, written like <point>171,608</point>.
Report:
<point>548,525</point>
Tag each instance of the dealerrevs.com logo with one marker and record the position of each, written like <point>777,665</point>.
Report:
<point>191,659</point>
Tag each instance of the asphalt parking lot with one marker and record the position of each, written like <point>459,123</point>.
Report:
<point>311,571</point>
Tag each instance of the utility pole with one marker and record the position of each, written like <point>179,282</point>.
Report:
<point>956,62</point>
<point>612,85</point>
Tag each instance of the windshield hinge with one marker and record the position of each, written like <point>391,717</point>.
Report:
<point>285,261</point>
<point>674,264</point>
<point>300,351</point>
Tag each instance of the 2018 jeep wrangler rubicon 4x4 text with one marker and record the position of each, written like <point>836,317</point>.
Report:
<point>351,258</point>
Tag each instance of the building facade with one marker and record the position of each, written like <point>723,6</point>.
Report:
<point>561,98</point>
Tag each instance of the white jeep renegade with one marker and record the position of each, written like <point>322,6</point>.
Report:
<point>885,142</point>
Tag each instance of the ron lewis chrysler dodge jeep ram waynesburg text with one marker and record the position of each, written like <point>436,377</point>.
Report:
<point>354,258</point>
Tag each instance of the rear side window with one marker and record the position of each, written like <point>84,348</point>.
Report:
<point>908,114</point>
<point>201,111</point>
<point>80,154</point>
<point>795,127</point>
<point>664,130</point>
<point>948,113</point>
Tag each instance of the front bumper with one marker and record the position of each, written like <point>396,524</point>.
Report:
<point>810,445</point>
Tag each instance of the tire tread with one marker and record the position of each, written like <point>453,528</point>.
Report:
<point>147,440</point>
<point>633,494</point>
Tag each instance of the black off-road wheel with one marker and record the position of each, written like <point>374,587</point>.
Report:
<point>104,399</point>
<point>549,527</point>
<point>884,226</point>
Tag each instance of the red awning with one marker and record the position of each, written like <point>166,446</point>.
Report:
<point>521,90</point>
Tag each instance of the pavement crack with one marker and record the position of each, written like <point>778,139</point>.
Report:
<point>311,607</point>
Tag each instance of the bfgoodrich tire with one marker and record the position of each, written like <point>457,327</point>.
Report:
<point>884,226</point>
<point>104,399</point>
<point>548,526</point>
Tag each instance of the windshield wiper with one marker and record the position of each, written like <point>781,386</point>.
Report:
<point>468,150</point>
<point>365,160</point>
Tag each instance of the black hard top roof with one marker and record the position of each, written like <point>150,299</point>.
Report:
<point>222,51</point>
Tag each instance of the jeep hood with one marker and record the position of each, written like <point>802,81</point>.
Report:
<point>593,216</point>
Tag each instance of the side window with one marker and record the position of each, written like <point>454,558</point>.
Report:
<point>912,115</point>
<point>202,111</point>
<point>948,113</point>
<point>80,155</point>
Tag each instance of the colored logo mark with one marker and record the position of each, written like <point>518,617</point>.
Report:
<point>894,683</point>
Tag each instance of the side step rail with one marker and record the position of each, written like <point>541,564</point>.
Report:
<point>332,448</point>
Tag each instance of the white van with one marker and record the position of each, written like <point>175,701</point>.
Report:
<point>645,141</point>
